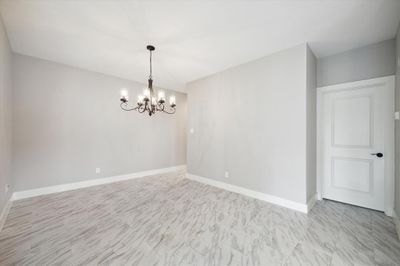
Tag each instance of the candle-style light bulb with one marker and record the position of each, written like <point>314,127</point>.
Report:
<point>146,93</point>
<point>124,95</point>
<point>172,100</point>
<point>140,99</point>
<point>124,92</point>
<point>161,96</point>
<point>153,101</point>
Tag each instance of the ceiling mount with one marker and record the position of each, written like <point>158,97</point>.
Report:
<point>150,47</point>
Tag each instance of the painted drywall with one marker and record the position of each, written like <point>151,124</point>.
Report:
<point>250,120</point>
<point>371,61</point>
<point>397,126</point>
<point>68,122</point>
<point>5,117</point>
<point>311,110</point>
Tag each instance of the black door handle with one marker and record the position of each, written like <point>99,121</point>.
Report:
<point>379,155</point>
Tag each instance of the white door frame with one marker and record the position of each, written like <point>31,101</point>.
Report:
<point>387,83</point>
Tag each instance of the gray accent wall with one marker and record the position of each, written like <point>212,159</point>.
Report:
<point>5,118</point>
<point>251,121</point>
<point>371,61</point>
<point>311,124</point>
<point>397,127</point>
<point>68,122</point>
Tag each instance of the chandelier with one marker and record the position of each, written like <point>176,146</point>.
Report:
<point>147,102</point>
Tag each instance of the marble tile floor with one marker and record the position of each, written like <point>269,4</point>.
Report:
<point>169,220</point>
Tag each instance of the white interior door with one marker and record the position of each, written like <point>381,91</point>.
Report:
<point>355,120</point>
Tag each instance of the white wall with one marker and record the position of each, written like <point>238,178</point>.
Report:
<point>371,61</point>
<point>5,117</point>
<point>68,121</point>
<point>251,120</point>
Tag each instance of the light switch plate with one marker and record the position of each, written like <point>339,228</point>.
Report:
<point>397,116</point>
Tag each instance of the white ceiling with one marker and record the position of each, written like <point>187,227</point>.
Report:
<point>193,39</point>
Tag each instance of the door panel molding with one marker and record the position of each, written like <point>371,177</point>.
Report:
<point>387,84</point>
<point>370,125</point>
<point>370,166</point>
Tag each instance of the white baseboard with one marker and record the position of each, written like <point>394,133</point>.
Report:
<point>396,220</point>
<point>251,193</point>
<point>89,183</point>
<point>311,202</point>
<point>4,213</point>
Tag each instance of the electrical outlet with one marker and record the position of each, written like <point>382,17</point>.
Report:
<point>98,170</point>
<point>7,188</point>
<point>226,174</point>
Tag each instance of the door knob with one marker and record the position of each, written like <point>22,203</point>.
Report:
<point>379,155</point>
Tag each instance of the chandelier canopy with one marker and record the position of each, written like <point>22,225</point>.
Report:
<point>147,102</point>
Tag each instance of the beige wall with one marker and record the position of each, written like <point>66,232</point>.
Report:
<point>67,122</point>
<point>5,117</point>
<point>250,120</point>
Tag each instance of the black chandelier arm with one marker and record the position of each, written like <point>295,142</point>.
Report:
<point>161,108</point>
<point>170,113</point>
<point>124,106</point>
<point>142,108</point>
<point>173,109</point>
<point>151,109</point>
